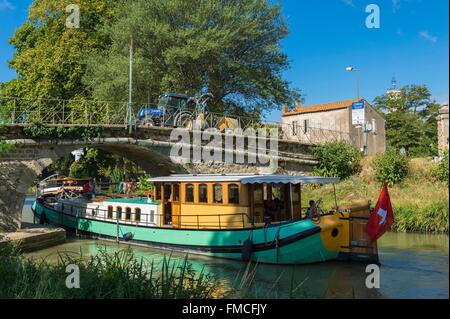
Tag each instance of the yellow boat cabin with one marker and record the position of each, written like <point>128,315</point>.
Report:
<point>230,201</point>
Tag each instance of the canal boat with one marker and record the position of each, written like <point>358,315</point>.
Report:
<point>243,217</point>
<point>55,185</point>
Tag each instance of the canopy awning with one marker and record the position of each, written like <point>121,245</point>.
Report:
<point>246,179</point>
<point>285,179</point>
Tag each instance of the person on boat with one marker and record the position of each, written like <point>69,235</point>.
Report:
<point>149,198</point>
<point>311,211</point>
<point>86,187</point>
<point>92,188</point>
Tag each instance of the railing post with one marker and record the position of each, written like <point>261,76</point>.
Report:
<point>220,224</point>
<point>198,224</point>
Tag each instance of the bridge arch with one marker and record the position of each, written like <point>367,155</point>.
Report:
<point>149,148</point>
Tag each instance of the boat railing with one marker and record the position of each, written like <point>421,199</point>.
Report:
<point>133,218</point>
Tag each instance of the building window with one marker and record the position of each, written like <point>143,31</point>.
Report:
<point>110,212</point>
<point>189,193</point>
<point>305,126</point>
<point>233,194</point>
<point>119,212</point>
<point>217,196</point>
<point>137,214</point>
<point>294,128</point>
<point>176,193</point>
<point>128,213</point>
<point>203,193</point>
<point>374,126</point>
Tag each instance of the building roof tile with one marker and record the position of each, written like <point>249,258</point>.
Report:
<point>321,107</point>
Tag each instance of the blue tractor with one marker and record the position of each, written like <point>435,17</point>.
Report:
<point>171,110</point>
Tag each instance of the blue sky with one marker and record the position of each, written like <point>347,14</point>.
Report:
<point>326,36</point>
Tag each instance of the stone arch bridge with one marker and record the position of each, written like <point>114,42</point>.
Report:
<point>148,147</point>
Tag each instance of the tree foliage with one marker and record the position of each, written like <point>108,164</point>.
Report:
<point>410,120</point>
<point>228,47</point>
<point>49,57</point>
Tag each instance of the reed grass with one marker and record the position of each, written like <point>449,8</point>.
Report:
<point>117,275</point>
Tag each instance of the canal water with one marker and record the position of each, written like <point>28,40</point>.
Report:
<point>412,266</point>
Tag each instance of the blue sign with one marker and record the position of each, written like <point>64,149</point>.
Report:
<point>358,105</point>
<point>358,113</point>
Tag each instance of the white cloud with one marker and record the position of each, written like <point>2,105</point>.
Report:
<point>6,5</point>
<point>349,3</point>
<point>428,37</point>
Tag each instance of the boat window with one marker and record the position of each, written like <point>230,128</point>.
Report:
<point>258,194</point>
<point>137,216</point>
<point>119,212</point>
<point>203,193</point>
<point>158,191</point>
<point>217,196</point>
<point>190,193</point>
<point>110,212</point>
<point>176,192</point>
<point>127,213</point>
<point>295,193</point>
<point>233,194</point>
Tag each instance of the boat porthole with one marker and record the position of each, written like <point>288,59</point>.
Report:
<point>334,232</point>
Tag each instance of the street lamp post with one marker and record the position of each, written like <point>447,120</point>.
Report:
<point>352,69</point>
<point>130,90</point>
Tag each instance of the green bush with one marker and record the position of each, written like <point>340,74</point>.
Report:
<point>38,130</point>
<point>441,171</point>
<point>391,167</point>
<point>4,147</point>
<point>337,159</point>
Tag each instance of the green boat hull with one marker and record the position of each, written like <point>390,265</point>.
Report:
<point>296,242</point>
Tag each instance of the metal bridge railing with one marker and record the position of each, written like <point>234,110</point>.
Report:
<point>78,112</point>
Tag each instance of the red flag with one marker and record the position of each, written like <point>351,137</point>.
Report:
<point>382,216</point>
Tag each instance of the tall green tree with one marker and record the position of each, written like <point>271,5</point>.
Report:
<point>228,47</point>
<point>410,119</point>
<point>50,57</point>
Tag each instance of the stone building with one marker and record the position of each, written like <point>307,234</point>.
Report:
<point>443,128</point>
<point>320,123</point>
